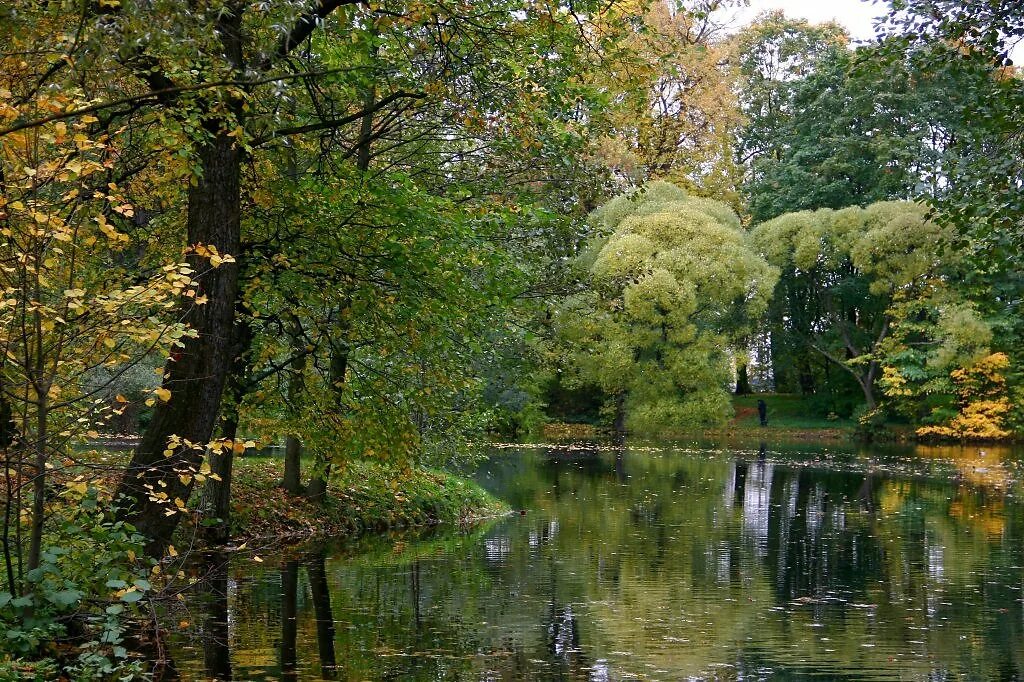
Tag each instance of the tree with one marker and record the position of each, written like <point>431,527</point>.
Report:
<point>80,308</point>
<point>674,111</point>
<point>862,273</point>
<point>670,283</point>
<point>221,93</point>
<point>772,56</point>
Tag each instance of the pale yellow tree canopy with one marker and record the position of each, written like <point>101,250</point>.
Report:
<point>673,281</point>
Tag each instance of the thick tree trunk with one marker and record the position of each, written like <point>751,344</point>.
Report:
<point>867,385</point>
<point>197,373</point>
<point>215,505</point>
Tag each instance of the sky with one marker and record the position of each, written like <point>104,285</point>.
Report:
<point>856,15</point>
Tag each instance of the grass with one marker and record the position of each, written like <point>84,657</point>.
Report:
<point>790,417</point>
<point>364,496</point>
<point>785,411</point>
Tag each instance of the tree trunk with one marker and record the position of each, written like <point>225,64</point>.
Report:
<point>35,545</point>
<point>317,488</point>
<point>620,414</point>
<point>292,443</point>
<point>292,465</point>
<point>197,373</point>
<point>215,505</point>
<point>742,380</point>
<point>805,374</point>
<point>867,384</point>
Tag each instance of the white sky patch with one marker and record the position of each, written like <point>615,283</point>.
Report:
<point>857,16</point>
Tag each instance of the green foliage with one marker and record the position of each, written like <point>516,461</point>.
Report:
<point>88,588</point>
<point>831,127</point>
<point>670,285</point>
<point>871,291</point>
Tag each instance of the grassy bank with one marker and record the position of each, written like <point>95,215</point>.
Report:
<point>364,496</point>
<point>790,418</point>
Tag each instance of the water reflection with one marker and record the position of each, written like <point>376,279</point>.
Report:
<point>655,565</point>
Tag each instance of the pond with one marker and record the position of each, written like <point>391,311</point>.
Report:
<point>653,563</point>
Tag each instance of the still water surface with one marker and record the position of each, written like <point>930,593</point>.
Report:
<point>645,563</point>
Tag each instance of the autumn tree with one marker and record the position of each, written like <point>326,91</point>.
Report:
<point>674,109</point>
<point>82,304</point>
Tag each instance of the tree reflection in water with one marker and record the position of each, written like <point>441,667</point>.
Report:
<point>663,565</point>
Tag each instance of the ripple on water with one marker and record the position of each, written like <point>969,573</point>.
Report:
<point>654,563</point>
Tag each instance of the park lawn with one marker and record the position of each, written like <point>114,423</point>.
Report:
<point>785,411</point>
<point>790,417</point>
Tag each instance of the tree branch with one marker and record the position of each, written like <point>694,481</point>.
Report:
<point>307,23</point>
<point>338,122</point>
<point>157,95</point>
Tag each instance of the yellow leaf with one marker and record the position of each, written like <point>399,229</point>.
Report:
<point>163,394</point>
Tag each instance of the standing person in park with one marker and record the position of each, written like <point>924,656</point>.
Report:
<point>762,412</point>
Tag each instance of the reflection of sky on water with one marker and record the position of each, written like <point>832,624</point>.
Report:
<point>756,500</point>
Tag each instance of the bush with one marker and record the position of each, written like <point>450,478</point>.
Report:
<point>82,597</point>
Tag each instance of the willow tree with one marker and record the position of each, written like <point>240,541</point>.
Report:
<point>669,286</point>
<point>868,276</point>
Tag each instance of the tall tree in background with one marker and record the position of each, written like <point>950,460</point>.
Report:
<point>675,107</point>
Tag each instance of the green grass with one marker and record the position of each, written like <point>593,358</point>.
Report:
<point>785,411</point>
<point>364,496</point>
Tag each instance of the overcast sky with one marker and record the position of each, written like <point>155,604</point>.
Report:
<point>855,15</point>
